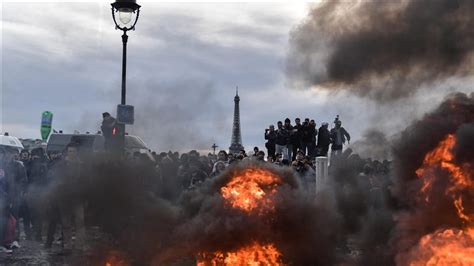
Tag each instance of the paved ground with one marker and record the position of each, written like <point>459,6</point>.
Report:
<point>33,253</point>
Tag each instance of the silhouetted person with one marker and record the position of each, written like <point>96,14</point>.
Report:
<point>308,137</point>
<point>68,177</point>
<point>270,136</point>
<point>289,145</point>
<point>295,138</point>
<point>108,123</point>
<point>324,139</point>
<point>338,137</point>
<point>281,140</point>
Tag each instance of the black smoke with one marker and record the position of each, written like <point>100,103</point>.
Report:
<point>385,50</point>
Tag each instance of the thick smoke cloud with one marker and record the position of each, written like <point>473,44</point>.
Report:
<point>424,135</point>
<point>382,50</point>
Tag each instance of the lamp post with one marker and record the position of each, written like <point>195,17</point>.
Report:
<point>127,12</point>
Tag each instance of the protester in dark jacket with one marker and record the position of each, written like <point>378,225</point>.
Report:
<point>270,136</point>
<point>281,140</point>
<point>295,138</point>
<point>308,136</point>
<point>289,146</point>
<point>324,140</point>
<point>108,124</point>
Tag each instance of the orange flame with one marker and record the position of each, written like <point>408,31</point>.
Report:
<point>449,246</point>
<point>254,254</point>
<point>248,190</point>
<point>251,189</point>
<point>442,157</point>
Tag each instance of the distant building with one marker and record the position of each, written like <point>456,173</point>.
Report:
<point>236,141</point>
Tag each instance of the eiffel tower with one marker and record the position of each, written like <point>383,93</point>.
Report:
<point>236,141</point>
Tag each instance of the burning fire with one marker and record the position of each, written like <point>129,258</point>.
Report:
<point>251,189</point>
<point>449,246</point>
<point>254,254</point>
<point>445,248</point>
<point>248,190</point>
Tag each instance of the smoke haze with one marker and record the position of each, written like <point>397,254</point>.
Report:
<point>382,50</point>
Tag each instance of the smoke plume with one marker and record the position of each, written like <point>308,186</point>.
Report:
<point>384,50</point>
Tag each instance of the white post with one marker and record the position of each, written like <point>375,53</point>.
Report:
<point>321,172</point>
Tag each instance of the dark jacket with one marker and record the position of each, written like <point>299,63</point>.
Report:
<point>15,180</point>
<point>107,125</point>
<point>68,182</point>
<point>282,136</point>
<point>324,137</point>
<point>38,171</point>
<point>308,134</point>
<point>344,135</point>
<point>295,134</point>
<point>270,136</point>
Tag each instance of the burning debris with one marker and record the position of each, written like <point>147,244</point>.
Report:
<point>254,254</point>
<point>452,246</point>
<point>444,248</point>
<point>385,50</point>
<point>251,189</point>
<point>436,223</point>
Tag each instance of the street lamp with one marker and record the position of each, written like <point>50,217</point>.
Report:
<point>128,12</point>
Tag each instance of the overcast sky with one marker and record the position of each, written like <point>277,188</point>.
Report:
<point>184,62</point>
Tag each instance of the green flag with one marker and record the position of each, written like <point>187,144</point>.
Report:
<point>46,122</point>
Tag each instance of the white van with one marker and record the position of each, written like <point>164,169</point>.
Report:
<point>11,142</point>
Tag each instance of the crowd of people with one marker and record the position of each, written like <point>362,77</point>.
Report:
<point>25,176</point>
<point>287,139</point>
